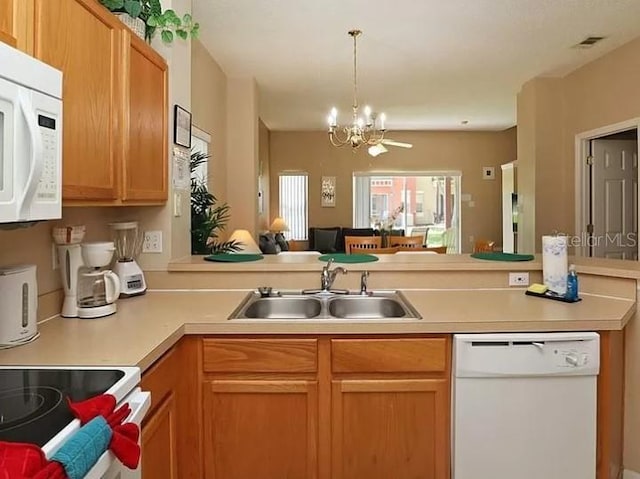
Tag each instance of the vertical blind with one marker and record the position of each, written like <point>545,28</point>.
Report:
<point>293,200</point>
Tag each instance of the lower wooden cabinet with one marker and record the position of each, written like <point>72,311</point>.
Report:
<point>322,408</point>
<point>260,429</point>
<point>383,428</point>
<point>171,439</point>
<point>159,451</point>
<point>326,408</point>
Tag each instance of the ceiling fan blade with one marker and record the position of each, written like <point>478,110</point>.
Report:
<point>397,143</point>
<point>376,150</point>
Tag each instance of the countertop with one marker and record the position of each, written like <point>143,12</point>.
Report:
<point>303,261</point>
<point>146,326</point>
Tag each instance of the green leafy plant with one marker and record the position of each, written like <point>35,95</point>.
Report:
<point>207,218</point>
<point>167,22</point>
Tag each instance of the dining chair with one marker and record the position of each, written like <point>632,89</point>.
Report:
<point>437,249</point>
<point>374,250</point>
<point>405,242</point>
<point>362,242</point>
<point>483,246</point>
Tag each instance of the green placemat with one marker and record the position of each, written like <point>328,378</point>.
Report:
<point>349,258</point>
<point>497,256</point>
<point>233,258</point>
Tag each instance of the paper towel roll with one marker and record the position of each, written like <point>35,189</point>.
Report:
<point>554,263</point>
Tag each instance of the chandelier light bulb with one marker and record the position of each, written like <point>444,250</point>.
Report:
<point>383,117</point>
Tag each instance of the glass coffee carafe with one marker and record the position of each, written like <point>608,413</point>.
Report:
<point>97,287</point>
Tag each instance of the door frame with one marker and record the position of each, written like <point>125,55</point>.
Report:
<point>581,177</point>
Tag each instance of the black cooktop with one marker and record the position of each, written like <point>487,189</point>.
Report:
<point>33,406</point>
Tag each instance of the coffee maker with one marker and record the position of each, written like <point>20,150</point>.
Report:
<point>90,289</point>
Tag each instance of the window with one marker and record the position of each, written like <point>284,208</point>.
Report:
<point>379,204</point>
<point>200,143</point>
<point>419,204</point>
<point>430,203</point>
<point>293,204</point>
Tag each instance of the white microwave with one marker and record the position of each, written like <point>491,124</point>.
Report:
<point>30,138</point>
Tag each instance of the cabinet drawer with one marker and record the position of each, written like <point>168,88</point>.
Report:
<point>260,355</point>
<point>425,355</point>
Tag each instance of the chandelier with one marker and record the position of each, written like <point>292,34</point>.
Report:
<point>362,129</point>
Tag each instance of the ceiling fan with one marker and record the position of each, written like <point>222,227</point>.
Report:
<point>379,148</point>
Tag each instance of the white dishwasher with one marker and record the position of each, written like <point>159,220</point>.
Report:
<point>524,406</point>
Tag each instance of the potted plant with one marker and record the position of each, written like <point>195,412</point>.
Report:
<point>150,12</point>
<point>207,219</point>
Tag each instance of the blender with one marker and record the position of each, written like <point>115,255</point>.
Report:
<point>128,243</point>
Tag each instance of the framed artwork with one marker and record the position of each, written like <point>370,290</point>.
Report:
<point>328,198</point>
<point>181,126</point>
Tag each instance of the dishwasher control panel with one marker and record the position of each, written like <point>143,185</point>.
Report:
<point>525,354</point>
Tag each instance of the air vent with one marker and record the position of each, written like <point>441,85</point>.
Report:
<point>589,42</point>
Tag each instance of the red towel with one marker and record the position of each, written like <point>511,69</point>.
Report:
<point>27,461</point>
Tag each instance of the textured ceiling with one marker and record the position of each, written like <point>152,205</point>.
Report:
<point>428,64</point>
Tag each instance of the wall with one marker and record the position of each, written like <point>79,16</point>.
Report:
<point>264,171</point>
<point>209,109</point>
<point>467,152</point>
<point>540,154</point>
<point>33,245</point>
<point>242,154</point>
<point>551,112</point>
<point>601,93</point>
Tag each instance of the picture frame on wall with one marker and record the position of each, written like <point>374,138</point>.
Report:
<point>181,127</point>
<point>328,199</point>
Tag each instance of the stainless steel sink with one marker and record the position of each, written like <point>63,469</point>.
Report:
<point>283,307</point>
<point>361,307</point>
<point>296,305</point>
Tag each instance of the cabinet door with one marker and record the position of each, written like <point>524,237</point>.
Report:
<point>14,24</point>
<point>262,429</point>
<point>159,456</point>
<point>81,38</point>
<point>145,164</point>
<point>384,428</point>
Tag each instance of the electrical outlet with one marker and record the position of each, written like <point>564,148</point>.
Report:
<point>152,242</point>
<point>518,279</point>
<point>54,257</point>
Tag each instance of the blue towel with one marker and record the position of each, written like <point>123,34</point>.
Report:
<point>82,450</point>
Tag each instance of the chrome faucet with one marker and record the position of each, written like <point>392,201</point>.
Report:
<point>363,283</point>
<point>328,276</point>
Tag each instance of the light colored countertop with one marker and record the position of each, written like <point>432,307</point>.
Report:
<point>147,326</point>
<point>408,262</point>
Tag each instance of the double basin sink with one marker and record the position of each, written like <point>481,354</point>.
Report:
<point>299,305</point>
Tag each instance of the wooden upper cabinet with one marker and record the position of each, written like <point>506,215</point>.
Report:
<point>8,33</point>
<point>82,39</point>
<point>114,104</point>
<point>14,24</point>
<point>145,166</point>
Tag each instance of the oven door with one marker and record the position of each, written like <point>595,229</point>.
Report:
<point>108,467</point>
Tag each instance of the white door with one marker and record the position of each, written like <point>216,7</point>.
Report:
<point>614,199</point>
